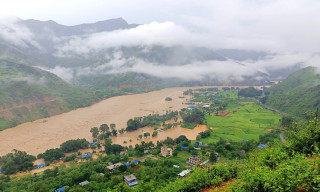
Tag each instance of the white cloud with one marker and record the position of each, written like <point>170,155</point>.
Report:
<point>165,34</point>
<point>289,28</point>
<point>14,33</point>
<point>223,70</point>
<point>65,73</point>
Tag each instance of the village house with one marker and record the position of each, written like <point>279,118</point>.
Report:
<point>130,180</point>
<point>86,154</point>
<point>112,167</point>
<point>194,160</point>
<point>184,173</point>
<point>83,183</point>
<point>60,189</point>
<point>166,152</point>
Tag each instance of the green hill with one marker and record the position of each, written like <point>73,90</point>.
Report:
<point>298,93</point>
<point>28,93</point>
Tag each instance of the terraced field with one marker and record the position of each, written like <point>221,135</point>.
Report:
<point>248,122</point>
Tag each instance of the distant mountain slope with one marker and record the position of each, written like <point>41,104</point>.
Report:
<point>242,55</point>
<point>82,29</point>
<point>298,93</point>
<point>28,93</point>
<point>96,50</point>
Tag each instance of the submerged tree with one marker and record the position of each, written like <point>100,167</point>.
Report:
<point>94,131</point>
<point>114,132</point>
<point>155,133</point>
<point>112,126</point>
<point>103,128</point>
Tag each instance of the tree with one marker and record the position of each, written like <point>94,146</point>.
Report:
<point>122,130</point>
<point>146,134</point>
<point>181,138</point>
<point>155,133</point>
<point>194,116</point>
<point>133,124</point>
<point>108,134</point>
<point>112,126</point>
<point>74,145</point>
<point>94,131</point>
<point>140,136</point>
<point>168,99</point>
<point>194,152</point>
<point>113,149</point>
<point>250,92</point>
<point>16,161</point>
<point>213,157</point>
<point>114,132</point>
<point>51,154</point>
<point>103,128</point>
<point>286,121</point>
<point>205,134</point>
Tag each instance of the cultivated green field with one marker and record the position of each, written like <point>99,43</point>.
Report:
<point>250,121</point>
<point>228,94</point>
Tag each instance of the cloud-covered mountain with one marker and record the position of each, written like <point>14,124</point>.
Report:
<point>113,57</point>
<point>164,51</point>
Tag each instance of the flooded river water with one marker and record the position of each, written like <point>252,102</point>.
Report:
<point>37,136</point>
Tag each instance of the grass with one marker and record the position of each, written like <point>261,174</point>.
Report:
<point>188,125</point>
<point>5,124</point>
<point>249,122</point>
<point>228,94</point>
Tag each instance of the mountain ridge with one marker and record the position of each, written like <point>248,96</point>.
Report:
<point>297,94</point>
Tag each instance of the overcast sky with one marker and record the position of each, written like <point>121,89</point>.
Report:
<point>289,28</point>
<point>280,25</point>
<point>71,12</point>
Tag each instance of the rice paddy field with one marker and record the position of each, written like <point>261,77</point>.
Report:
<point>248,121</point>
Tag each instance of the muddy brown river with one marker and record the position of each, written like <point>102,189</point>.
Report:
<point>37,136</point>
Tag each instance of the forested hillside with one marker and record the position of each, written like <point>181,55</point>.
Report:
<point>301,90</point>
<point>28,93</point>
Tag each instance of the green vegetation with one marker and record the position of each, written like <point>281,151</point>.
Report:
<point>250,92</point>
<point>51,154</point>
<point>74,145</point>
<point>300,90</point>
<point>94,131</point>
<point>34,93</point>
<point>150,120</point>
<point>248,122</point>
<point>5,124</point>
<point>231,144</point>
<point>112,148</point>
<point>192,118</point>
<point>15,162</point>
<point>279,167</point>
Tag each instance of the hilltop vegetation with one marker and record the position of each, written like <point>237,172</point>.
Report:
<point>28,93</point>
<point>301,90</point>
